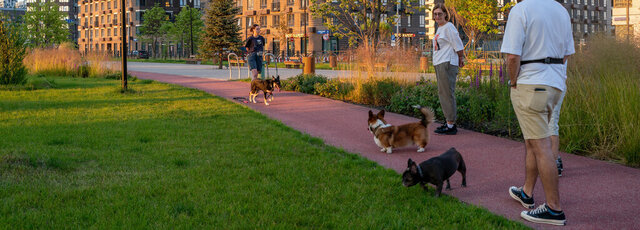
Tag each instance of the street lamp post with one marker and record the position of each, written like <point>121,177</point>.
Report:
<point>124,44</point>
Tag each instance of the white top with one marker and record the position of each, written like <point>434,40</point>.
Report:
<point>446,43</point>
<point>538,29</point>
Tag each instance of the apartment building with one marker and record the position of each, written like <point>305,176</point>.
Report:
<point>69,8</point>
<point>13,14</point>
<point>100,23</point>
<point>587,16</point>
<point>290,29</point>
<point>8,3</point>
<point>626,17</point>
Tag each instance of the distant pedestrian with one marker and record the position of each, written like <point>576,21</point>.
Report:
<point>448,56</point>
<point>255,47</point>
<point>538,40</point>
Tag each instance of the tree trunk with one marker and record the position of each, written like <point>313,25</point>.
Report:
<point>220,59</point>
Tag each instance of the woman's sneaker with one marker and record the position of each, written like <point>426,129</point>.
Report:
<point>447,131</point>
<point>544,215</point>
<point>518,195</point>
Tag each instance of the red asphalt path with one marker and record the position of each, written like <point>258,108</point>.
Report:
<point>594,194</point>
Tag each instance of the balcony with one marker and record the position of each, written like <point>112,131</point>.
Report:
<point>275,7</point>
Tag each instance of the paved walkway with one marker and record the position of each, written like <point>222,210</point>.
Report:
<point>595,194</point>
<point>212,72</point>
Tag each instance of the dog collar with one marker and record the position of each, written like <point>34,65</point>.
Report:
<point>420,171</point>
<point>381,125</point>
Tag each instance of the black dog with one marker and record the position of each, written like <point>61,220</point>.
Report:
<point>267,86</point>
<point>435,171</point>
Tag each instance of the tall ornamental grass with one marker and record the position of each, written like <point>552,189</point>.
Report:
<point>601,111</point>
<point>65,60</point>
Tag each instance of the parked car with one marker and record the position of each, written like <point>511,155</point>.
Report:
<point>143,54</point>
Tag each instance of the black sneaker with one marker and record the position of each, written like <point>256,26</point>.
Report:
<point>447,131</point>
<point>559,164</point>
<point>443,126</point>
<point>543,215</point>
<point>518,195</point>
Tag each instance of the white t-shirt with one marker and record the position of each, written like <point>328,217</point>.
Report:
<point>446,43</point>
<point>537,29</point>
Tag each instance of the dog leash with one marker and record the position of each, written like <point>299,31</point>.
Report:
<point>420,171</point>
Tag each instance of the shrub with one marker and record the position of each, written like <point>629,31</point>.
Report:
<point>12,52</point>
<point>334,88</point>
<point>374,91</point>
<point>304,83</point>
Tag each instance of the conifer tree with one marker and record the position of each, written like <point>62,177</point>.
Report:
<point>221,29</point>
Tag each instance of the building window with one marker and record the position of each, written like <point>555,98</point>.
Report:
<point>383,18</point>
<point>263,21</point>
<point>421,20</point>
<point>276,20</point>
<point>408,20</point>
<point>263,4</point>
<point>421,2</point>
<point>183,2</point>
<point>196,4</point>
<point>291,20</point>
<point>249,5</point>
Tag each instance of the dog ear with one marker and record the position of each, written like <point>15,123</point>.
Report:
<point>409,162</point>
<point>370,114</point>
<point>278,77</point>
<point>381,114</point>
<point>272,77</point>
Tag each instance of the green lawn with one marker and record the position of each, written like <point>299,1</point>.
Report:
<point>85,156</point>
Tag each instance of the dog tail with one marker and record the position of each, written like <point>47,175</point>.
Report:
<point>427,115</point>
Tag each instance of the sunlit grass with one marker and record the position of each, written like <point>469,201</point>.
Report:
<point>83,155</point>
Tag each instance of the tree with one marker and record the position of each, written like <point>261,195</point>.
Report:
<point>476,17</point>
<point>357,20</point>
<point>221,29</point>
<point>190,25</point>
<point>45,25</point>
<point>152,28</point>
<point>12,52</point>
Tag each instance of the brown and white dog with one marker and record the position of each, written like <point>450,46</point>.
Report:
<point>267,86</point>
<point>388,136</point>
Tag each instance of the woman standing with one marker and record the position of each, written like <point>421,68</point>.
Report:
<point>448,56</point>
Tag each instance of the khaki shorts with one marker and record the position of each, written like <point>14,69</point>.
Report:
<point>533,105</point>
<point>555,117</point>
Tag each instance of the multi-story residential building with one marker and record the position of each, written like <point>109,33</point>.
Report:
<point>100,23</point>
<point>291,31</point>
<point>70,9</point>
<point>587,16</point>
<point>13,14</point>
<point>626,17</point>
<point>7,3</point>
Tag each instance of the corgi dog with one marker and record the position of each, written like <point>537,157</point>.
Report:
<point>388,136</point>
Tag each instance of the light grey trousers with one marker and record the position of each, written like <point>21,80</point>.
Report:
<point>446,75</point>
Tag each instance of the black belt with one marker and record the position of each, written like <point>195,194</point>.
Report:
<point>544,61</point>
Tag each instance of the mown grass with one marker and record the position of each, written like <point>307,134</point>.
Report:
<point>83,155</point>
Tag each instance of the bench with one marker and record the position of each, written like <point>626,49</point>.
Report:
<point>378,67</point>
<point>482,63</point>
<point>292,64</point>
<point>194,61</point>
<point>381,66</point>
<point>238,62</point>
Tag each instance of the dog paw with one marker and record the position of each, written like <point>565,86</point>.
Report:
<point>421,150</point>
<point>389,151</point>
<point>383,149</point>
